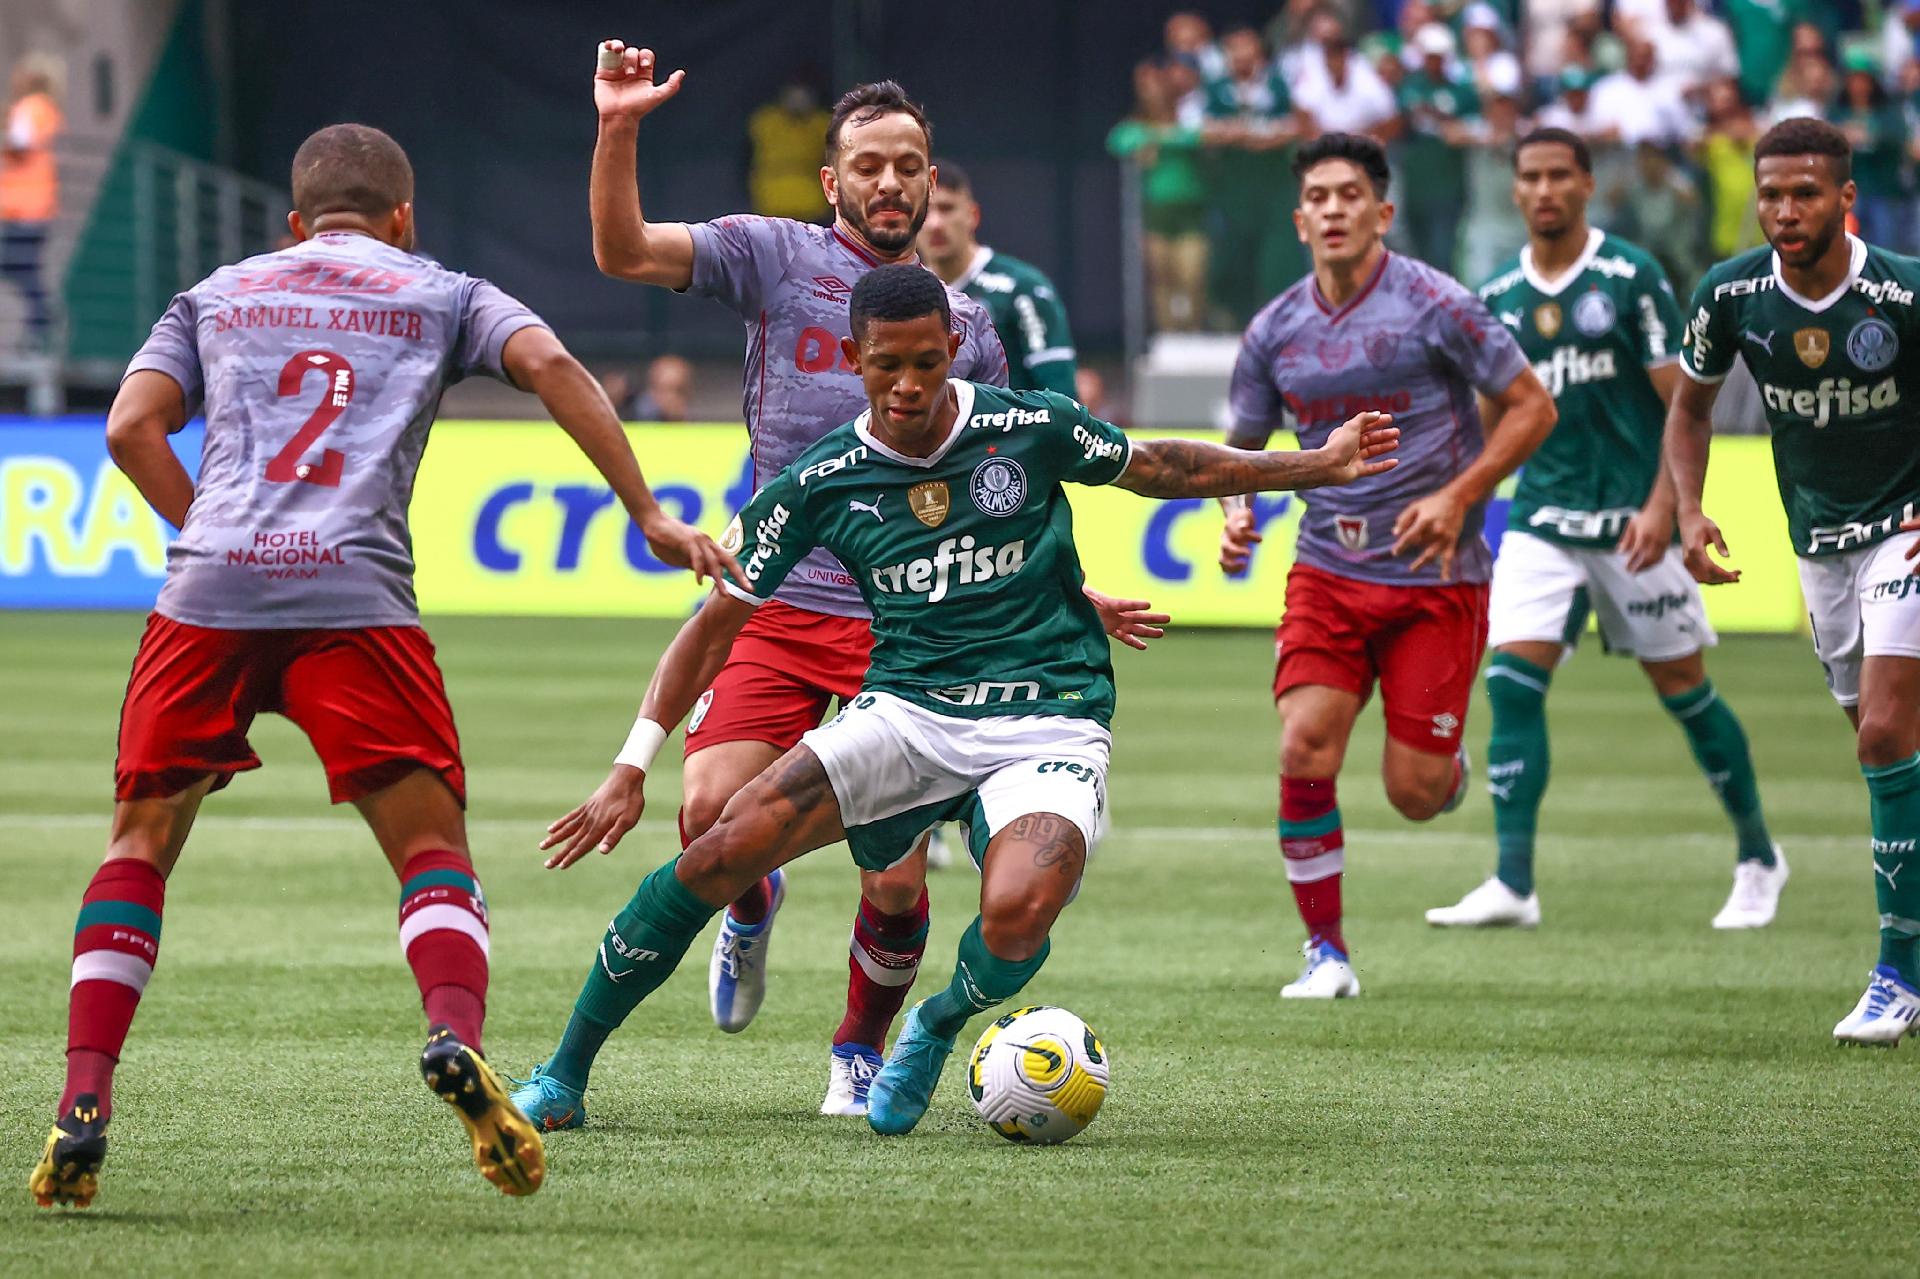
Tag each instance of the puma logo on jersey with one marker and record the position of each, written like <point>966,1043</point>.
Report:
<point>871,508</point>
<point>1511,319</point>
<point>1570,366</point>
<point>955,562</point>
<point>1764,343</point>
<point>1831,399</point>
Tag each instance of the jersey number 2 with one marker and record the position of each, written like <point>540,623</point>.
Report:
<point>286,466</point>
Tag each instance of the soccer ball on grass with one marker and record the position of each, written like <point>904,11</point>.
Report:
<point>1038,1075</point>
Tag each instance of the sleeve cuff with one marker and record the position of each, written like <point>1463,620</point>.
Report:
<point>502,332</point>
<point>744,596</point>
<point>1702,378</point>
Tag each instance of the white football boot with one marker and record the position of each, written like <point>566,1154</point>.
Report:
<point>1756,893</point>
<point>1884,1014</point>
<point>849,1078</point>
<point>737,973</point>
<point>1327,975</point>
<point>1492,905</point>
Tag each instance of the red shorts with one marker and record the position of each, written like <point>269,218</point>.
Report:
<point>1423,643</point>
<point>786,667</point>
<point>369,700</point>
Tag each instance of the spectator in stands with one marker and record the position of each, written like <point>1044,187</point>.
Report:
<point>1343,93</point>
<point>1660,210</point>
<point>1726,157</point>
<point>1692,47</point>
<point>1494,227</point>
<point>1548,24</point>
<point>1636,104</point>
<point>618,384</point>
<point>1489,62</point>
<point>1437,101</point>
<point>1090,388</point>
<point>1189,39</point>
<point>1876,125</point>
<point>1250,119</point>
<point>1763,41</point>
<point>1806,88</point>
<point>1573,109</point>
<point>668,396</point>
<point>30,187</point>
<point>783,177</point>
<point>1899,37</point>
<point>1173,198</point>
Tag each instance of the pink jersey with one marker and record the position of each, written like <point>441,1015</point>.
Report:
<point>321,368</point>
<point>1414,343</point>
<point>790,283</point>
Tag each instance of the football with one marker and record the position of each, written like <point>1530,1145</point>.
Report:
<point>1038,1075</point>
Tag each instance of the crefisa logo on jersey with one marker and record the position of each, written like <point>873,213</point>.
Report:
<point>1872,344</point>
<point>1593,314</point>
<point>1351,530</point>
<point>999,486</point>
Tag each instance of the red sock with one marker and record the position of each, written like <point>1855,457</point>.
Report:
<point>443,932</point>
<point>115,944</point>
<point>1315,852</point>
<point>885,959</point>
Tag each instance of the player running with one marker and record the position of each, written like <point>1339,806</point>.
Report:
<point>1390,581</point>
<point>991,689</point>
<point>789,283</point>
<point>1592,527</point>
<point>290,589</point>
<point>1026,311</point>
<point>1827,324</point>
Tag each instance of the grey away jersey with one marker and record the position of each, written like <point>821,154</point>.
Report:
<point>790,283</point>
<point>320,368</point>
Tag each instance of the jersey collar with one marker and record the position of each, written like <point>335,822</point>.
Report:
<point>1336,314</point>
<point>963,409</point>
<point>1856,260</point>
<point>981,256</point>
<point>1595,238</point>
<point>854,247</point>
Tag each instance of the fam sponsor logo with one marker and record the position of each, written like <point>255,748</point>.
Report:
<point>1855,533</point>
<point>1833,398</point>
<point>955,562</point>
<point>819,469</point>
<point>1585,526</point>
<point>1570,366</point>
<point>988,692</point>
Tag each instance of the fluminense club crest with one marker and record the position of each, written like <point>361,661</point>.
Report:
<point>1351,530</point>
<point>1382,346</point>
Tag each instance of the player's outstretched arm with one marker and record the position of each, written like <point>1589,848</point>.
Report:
<point>149,407</point>
<point>625,245</point>
<point>1684,449</point>
<point>1196,468</point>
<point>537,362</point>
<point>689,665</point>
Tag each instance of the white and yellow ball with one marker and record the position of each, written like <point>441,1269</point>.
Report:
<point>1038,1075</point>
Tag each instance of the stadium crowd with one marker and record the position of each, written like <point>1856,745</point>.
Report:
<point>1672,93</point>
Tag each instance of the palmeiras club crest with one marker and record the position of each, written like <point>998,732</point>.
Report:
<point>929,502</point>
<point>1351,530</point>
<point>999,486</point>
<point>1382,346</point>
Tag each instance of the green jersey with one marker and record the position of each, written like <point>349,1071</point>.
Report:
<point>1592,335</point>
<point>1839,381</point>
<point>966,557</point>
<point>1029,317</point>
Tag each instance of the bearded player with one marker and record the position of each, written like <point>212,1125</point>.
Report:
<point>1828,325</point>
<point>290,589</point>
<point>1389,584</point>
<point>1592,527</point>
<point>789,283</point>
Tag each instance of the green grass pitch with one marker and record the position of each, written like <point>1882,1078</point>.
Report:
<point>1624,1092</point>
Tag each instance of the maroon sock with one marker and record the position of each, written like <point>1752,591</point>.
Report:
<point>115,944</point>
<point>443,931</point>
<point>884,960</point>
<point>1314,847</point>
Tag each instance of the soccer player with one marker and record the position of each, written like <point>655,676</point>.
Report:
<point>1592,527</point>
<point>1828,326</point>
<point>1026,311</point>
<point>991,688</point>
<point>1390,580</point>
<point>789,283</point>
<point>290,589</point>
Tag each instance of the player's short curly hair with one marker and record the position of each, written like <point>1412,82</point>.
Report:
<point>1804,135</point>
<point>902,291</point>
<point>1355,148</point>
<point>865,103</point>
<point>1554,136</point>
<point>350,168</point>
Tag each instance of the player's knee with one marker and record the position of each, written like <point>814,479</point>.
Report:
<point>701,807</point>
<point>1884,738</point>
<point>895,890</point>
<point>1308,749</point>
<point>1016,929</point>
<point>1419,796</point>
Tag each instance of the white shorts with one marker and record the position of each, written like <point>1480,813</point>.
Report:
<point>899,770</point>
<point>1542,591</point>
<point>1862,604</point>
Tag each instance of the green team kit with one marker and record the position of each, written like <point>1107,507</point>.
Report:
<point>1029,317</point>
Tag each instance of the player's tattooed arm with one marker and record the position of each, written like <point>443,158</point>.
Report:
<point>1196,468</point>
<point>1684,454</point>
<point>148,408</point>
<point>625,245</point>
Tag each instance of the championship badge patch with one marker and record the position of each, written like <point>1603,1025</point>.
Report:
<point>1812,345</point>
<point>929,502</point>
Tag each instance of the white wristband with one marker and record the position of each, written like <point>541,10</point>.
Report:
<point>643,743</point>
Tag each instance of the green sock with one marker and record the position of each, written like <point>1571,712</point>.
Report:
<point>643,945</point>
<point>1517,762</point>
<point>981,979</point>
<point>1720,747</point>
<point>1893,792</point>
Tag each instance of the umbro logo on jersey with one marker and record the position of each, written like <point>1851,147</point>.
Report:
<point>831,288</point>
<point>1445,724</point>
